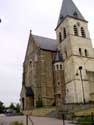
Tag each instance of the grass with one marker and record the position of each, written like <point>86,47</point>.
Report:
<point>84,112</point>
<point>40,111</point>
<point>17,123</point>
<point>83,116</point>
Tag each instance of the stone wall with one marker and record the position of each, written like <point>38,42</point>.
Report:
<point>69,109</point>
<point>74,107</point>
<point>46,77</point>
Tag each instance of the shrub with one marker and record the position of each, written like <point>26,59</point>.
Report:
<point>39,104</point>
<point>85,120</point>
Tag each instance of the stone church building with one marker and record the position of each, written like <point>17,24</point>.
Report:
<point>62,70</point>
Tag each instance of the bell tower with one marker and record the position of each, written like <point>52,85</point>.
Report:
<point>74,43</point>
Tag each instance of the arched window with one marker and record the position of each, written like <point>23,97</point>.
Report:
<point>86,54</point>
<point>58,83</point>
<point>64,33</point>
<point>57,67</point>
<point>80,51</point>
<point>22,103</point>
<point>60,37</point>
<point>60,66</point>
<point>83,32</point>
<point>30,65</point>
<point>75,30</point>
<point>66,53</point>
<point>30,62</point>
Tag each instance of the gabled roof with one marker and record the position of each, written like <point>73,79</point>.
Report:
<point>45,43</point>
<point>68,8</point>
<point>29,92</point>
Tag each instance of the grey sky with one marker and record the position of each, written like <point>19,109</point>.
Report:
<point>18,17</point>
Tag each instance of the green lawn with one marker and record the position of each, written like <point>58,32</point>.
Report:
<point>84,112</point>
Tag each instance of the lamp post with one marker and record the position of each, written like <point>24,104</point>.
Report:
<point>80,69</point>
<point>0,20</point>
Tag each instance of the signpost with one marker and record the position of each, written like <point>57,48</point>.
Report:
<point>26,119</point>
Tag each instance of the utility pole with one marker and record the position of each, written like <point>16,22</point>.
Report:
<point>80,68</point>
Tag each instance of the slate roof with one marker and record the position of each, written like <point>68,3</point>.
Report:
<point>68,8</point>
<point>29,91</point>
<point>45,43</point>
<point>58,57</point>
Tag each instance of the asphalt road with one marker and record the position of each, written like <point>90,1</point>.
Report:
<point>7,120</point>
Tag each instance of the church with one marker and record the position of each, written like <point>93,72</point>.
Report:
<point>61,70</point>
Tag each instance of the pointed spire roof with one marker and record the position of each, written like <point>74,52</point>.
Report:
<point>58,57</point>
<point>68,8</point>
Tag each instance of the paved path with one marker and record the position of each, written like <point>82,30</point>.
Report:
<point>5,120</point>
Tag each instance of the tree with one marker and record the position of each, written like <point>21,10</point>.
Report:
<point>17,107</point>
<point>12,106</point>
<point>1,107</point>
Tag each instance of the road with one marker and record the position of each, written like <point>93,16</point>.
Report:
<point>7,120</point>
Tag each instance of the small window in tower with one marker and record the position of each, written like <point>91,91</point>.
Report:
<point>58,83</point>
<point>60,66</point>
<point>64,33</point>
<point>61,17</point>
<point>30,62</point>
<point>83,32</point>
<point>86,54</point>
<point>66,53</point>
<point>80,51</point>
<point>57,66</point>
<point>30,66</point>
<point>75,14</point>
<point>60,37</point>
<point>75,30</point>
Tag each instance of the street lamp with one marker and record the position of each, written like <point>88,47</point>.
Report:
<point>80,69</point>
<point>0,20</point>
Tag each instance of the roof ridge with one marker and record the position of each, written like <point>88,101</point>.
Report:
<point>45,43</point>
<point>43,37</point>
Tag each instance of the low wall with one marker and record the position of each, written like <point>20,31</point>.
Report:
<point>69,108</point>
<point>75,107</point>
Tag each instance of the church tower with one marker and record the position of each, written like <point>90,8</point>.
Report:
<point>74,43</point>
<point>59,79</point>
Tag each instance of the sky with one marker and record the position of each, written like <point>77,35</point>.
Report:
<point>18,18</point>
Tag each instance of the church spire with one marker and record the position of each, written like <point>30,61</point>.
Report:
<point>68,8</point>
